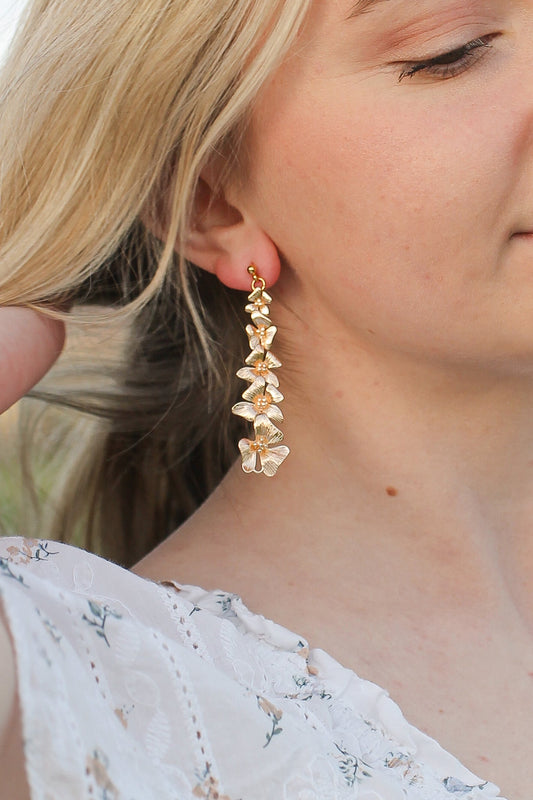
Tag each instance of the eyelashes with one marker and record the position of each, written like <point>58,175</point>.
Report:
<point>450,64</point>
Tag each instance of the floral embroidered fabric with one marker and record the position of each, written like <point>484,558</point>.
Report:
<point>133,690</point>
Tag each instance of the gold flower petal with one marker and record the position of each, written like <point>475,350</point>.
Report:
<point>260,320</point>
<point>253,336</point>
<point>268,337</point>
<point>275,393</point>
<point>249,456</point>
<point>253,391</point>
<point>261,336</point>
<point>258,354</point>
<point>271,460</point>
<point>251,308</point>
<point>264,427</point>
<point>247,374</point>
<point>272,361</point>
<point>271,379</point>
<point>274,413</point>
<point>246,410</point>
<point>258,295</point>
<point>262,362</point>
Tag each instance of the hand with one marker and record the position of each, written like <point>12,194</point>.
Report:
<point>29,345</point>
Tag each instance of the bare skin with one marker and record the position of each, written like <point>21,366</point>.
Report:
<point>400,209</point>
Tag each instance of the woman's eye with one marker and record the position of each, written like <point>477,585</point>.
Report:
<point>447,65</point>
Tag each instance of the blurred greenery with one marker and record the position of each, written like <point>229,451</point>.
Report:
<point>15,500</point>
<point>10,476</point>
<point>10,497</point>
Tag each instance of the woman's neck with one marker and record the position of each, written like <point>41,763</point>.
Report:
<point>431,464</point>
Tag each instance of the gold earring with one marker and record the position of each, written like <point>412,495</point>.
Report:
<point>261,398</point>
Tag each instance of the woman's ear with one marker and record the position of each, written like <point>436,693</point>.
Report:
<point>224,239</point>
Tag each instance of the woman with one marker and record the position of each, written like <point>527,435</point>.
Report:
<point>374,162</point>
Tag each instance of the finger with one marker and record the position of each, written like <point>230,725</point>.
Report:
<point>29,345</point>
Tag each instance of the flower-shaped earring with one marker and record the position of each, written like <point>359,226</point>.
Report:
<point>261,398</point>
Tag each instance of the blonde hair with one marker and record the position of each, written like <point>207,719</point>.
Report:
<point>106,106</point>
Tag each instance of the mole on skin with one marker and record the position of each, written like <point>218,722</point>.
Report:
<point>392,492</point>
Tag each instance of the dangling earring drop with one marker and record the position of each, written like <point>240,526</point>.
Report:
<point>261,398</point>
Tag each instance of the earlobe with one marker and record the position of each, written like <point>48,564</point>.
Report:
<point>228,254</point>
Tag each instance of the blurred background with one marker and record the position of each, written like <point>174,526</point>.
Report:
<point>48,428</point>
<point>9,14</point>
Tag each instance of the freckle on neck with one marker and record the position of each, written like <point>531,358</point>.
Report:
<point>391,491</point>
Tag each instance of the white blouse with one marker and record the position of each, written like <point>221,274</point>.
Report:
<point>133,690</point>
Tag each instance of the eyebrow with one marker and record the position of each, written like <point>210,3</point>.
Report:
<point>363,6</point>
